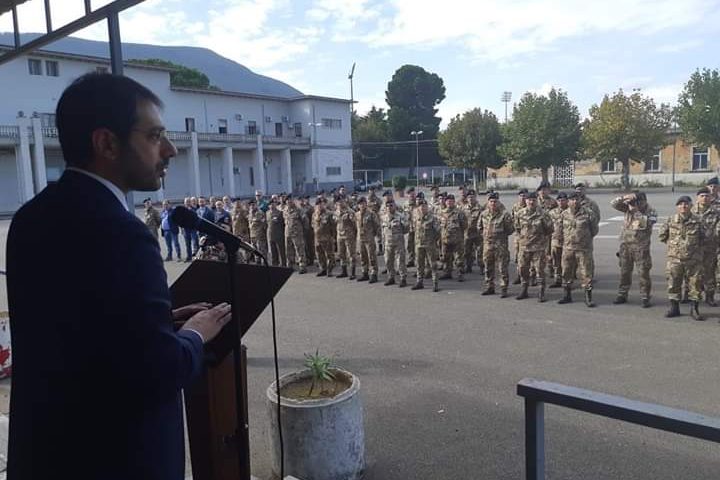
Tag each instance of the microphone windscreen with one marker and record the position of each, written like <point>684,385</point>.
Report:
<point>184,217</point>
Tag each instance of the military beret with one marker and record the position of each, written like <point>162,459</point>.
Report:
<point>355,193</point>
<point>683,199</point>
<point>713,181</point>
<point>320,200</point>
<point>435,187</point>
<point>288,196</point>
<point>493,196</point>
<point>562,195</point>
<point>543,185</point>
<point>579,185</point>
<point>523,191</point>
<point>449,196</point>
<point>703,191</point>
<point>422,201</point>
<point>387,193</point>
<point>471,192</point>
<point>410,190</point>
<point>421,195</point>
<point>532,195</point>
<point>362,200</point>
<point>574,196</point>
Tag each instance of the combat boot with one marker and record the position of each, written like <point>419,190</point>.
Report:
<point>588,298</point>
<point>373,278</point>
<point>329,272</point>
<point>436,285</point>
<point>541,294</point>
<point>523,293</point>
<point>302,270</point>
<point>503,292</point>
<point>446,276</point>
<point>489,290</point>
<point>389,281</point>
<point>695,312</point>
<point>403,282</point>
<point>352,273</point>
<point>461,277</point>
<point>620,299</point>
<point>321,273</point>
<point>674,310</point>
<point>418,285</point>
<point>343,272</point>
<point>645,302</point>
<point>364,277</point>
<point>710,298</point>
<point>568,296</point>
<point>557,283</point>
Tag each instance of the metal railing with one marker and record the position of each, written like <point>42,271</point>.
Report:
<point>537,393</point>
<point>236,138</point>
<point>9,131</point>
<point>292,140</point>
<point>179,136</point>
<point>50,132</point>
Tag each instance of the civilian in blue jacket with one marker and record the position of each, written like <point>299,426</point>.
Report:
<point>170,231</point>
<point>97,366</point>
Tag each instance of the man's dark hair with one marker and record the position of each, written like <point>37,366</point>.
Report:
<point>97,101</point>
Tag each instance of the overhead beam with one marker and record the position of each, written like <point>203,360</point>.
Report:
<point>102,13</point>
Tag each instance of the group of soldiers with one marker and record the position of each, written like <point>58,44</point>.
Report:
<point>444,238</point>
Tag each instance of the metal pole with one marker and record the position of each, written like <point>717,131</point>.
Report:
<point>48,17</point>
<point>534,440</point>
<point>16,27</point>
<point>88,7</point>
<point>417,160</point>
<point>672,188</point>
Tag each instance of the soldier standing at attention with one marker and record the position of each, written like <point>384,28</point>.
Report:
<point>453,223</point>
<point>308,233</point>
<point>409,210</point>
<point>152,218</point>
<point>710,217</point>
<point>427,231</point>
<point>495,225</point>
<point>588,202</point>
<point>346,238</point>
<point>435,199</point>
<point>394,227</point>
<point>578,227</point>
<point>714,185</point>
<point>544,199</point>
<point>520,204</point>
<point>472,240</point>
<point>257,223</point>
<point>368,227</point>
<point>556,241</point>
<point>683,234</point>
<point>533,227</point>
<point>323,225</point>
<point>276,234</point>
<point>375,204</point>
<point>635,244</point>
<point>296,224</point>
<point>240,225</point>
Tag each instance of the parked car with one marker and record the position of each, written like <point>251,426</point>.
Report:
<point>360,185</point>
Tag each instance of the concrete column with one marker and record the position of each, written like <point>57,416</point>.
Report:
<point>260,166</point>
<point>24,162</point>
<point>287,165</point>
<point>194,166</point>
<point>39,161</point>
<point>228,171</point>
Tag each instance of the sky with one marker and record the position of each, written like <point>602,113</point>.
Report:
<point>480,48</point>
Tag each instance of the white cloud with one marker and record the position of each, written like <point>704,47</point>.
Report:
<point>679,46</point>
<point>544,89</point>
<point>664,93</point>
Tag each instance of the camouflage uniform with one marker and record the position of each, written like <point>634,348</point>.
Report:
<point>427,231</point>
<point>323,224</point>
<point>533,227</point>
<point>347,240</point>
<point>153,221</point>
<point>452,231</point>
<point>577,229</point>
<point>547,203</point>
<point>684,238</point>
<point>517,206</point>
<point>590,204</point>
<point>410,209</point>
<point>375,204</point>
<point>368,228</point>
<point>394,227</point>
<point>472,238</point>
<point>635,246</point>
<point>296,225</point>
<point>556,245</point>
<point>308,233</point>
<point>710,217</point>
<point>240,225</point>
<point>276,235</point>
<point>495,228</point>
<point>258,225</point>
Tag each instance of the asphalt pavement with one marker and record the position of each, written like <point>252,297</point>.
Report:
<point>439,370</point>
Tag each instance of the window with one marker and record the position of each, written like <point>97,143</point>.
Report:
<point>333,123</point>
<point>52,68</point>
<point>298,129</point>
<point>189,124</point>
<point>608,166</point>
<point>222,125</point>
<point>101,69</point>
<point>48,120</point>
<point>700,158</point>
<point>252,177</point>
<point>653,164</point>
<point>333,171</point>
<point>252,128</point>
<point>278,129</point>
<point>34,66</point>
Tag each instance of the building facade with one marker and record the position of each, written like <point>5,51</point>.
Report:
<point>229,143</point>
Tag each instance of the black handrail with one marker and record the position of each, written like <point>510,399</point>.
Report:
<point>537,393</point>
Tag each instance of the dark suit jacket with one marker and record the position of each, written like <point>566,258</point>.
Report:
<point>97,368</point>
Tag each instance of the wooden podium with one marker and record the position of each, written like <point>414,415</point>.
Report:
<point>219,451</point>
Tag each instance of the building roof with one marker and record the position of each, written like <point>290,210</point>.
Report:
<point>89,59</point>
<point>260,97</point>
<point>7,5</point>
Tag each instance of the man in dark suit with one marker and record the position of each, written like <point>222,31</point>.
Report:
<point>97,367</point>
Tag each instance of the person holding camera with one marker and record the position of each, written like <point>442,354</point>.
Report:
<point>635,244</point>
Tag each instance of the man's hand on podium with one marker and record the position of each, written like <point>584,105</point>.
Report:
<point>205,320</point>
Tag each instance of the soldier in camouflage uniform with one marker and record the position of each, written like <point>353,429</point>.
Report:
<point>346,237</point>
<point>556,240</point>
<point>258,225</point>
<point>239,217</point>
<point>520,204</point>
<point>368,228</point>
<point>276,234</point>
<point>296,224</point>
<point>308,233</point>
<point>635,244</point>
<point>495,225</point>
<point>427,231</point>
<point>152,219</point>
<point>683,233</point>
<point>544,199</point>
<point>710,217</point>
<point>409,210</point>
<point>472,239</point>
<point>375,204</point>
<point>435,200</point>
<point>588,202</point>
<point>714,185</point>
<point>453,224</point>
<point>323,224</point>
<point>533,227</point>
<point>578,227</point>
<point>394,227</point>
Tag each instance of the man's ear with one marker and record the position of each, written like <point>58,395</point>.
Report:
<point>105,145</point>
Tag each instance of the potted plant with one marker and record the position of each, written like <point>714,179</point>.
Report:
<point>322,422</point>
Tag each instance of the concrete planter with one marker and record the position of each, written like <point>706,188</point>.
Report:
<point>323,438</point>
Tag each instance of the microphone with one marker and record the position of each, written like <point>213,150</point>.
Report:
<point>186,218</point>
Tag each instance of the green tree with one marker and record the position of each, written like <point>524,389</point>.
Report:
<point>544,132</point>
<point>698,111</point>
<point>472,141</point>
<point>412,95</point>
<point>182,76</point>
<point>626,128</point>
<point>372,127</point>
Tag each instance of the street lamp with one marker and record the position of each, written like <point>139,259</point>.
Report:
<point>506,97</point>
<point>417,134</point>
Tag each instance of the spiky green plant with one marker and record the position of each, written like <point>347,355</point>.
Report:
<point>320,368</point>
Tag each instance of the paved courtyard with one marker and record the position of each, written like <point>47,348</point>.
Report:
<point>438,370</point>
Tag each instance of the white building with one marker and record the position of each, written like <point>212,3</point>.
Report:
<point>229,143</point>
